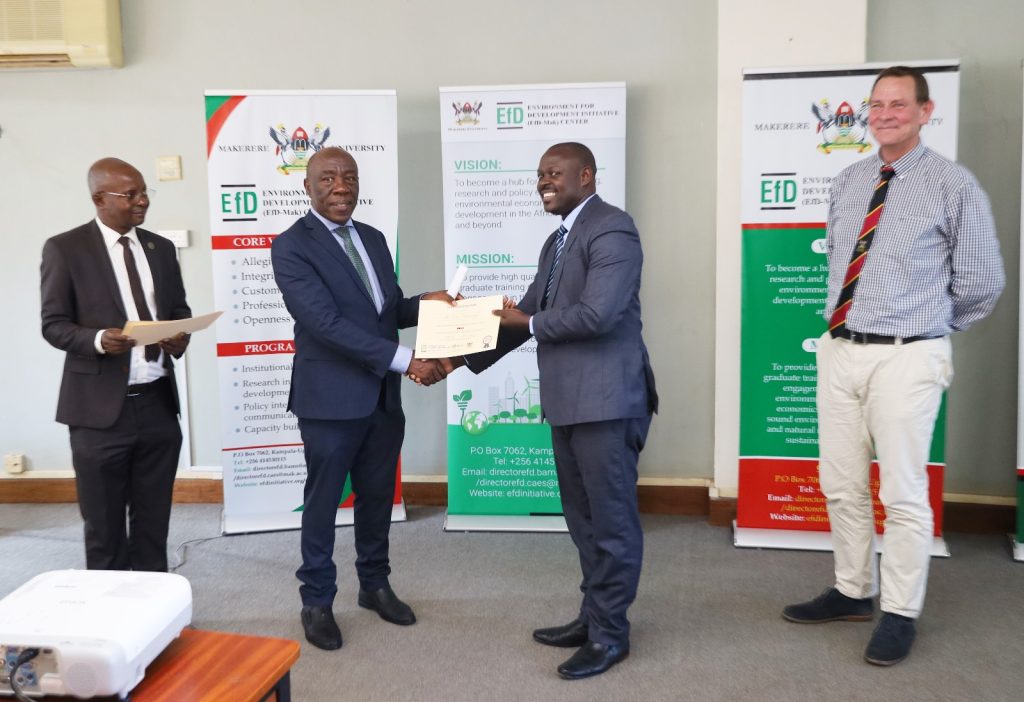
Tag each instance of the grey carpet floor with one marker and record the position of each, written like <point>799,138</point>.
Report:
<point>706,624</point>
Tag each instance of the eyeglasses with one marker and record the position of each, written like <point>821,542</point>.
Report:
<point>134,195</point>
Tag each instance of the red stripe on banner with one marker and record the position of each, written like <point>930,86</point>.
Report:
<point>217,120</point>
<point>241,241</point>
<point>784,225</point>
<point>256,348</point>
<point>782,493</point>
<point>249,448</point>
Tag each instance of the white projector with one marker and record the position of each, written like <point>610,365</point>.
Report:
<point>95,630</point>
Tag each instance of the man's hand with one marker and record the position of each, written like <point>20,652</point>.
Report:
<point>441,295</point>
<point>513,318</point>
<point>425,371</point>
<point>175,345</point>
<point>114,342</point>
<point>451,364</point>
<point>507,302</point>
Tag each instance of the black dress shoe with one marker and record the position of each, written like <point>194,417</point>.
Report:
<point>321,629</point>
<point>891,641</point>
<point>569,635</point>
<point>386,603</point>
<point>830,606</point>
<point>592,659</point>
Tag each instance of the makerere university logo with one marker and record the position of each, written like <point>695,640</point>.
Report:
<point>296,150</point>
<point>843,128</point>
<point>467,114</point>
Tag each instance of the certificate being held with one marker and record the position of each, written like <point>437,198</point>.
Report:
<point>152,332</point>
<point>468,326</point>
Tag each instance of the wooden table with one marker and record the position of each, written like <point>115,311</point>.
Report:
<point>212,666</point>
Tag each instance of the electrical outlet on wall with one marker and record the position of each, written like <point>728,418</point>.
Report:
<point>14,462</point>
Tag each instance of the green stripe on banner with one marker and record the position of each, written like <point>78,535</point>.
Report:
<point>213,103</point>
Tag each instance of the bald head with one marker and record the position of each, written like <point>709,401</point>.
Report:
<point>104,169</point>
<point>327,153</point>
<point>565,177</point>
<point>332,183</point>
<point>119,194</point>
<point>579,152</point>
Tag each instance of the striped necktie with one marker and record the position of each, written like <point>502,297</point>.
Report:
<point>354,257</point>
<point>860,251</point>
<point>559,244</point>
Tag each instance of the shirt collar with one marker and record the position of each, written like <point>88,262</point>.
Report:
<point>110,236</point>
<point>331,226</point>
<point>570,218</point>
<point>905,162</point>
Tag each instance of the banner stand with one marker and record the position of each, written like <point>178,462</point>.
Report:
<point>259,144</point>
<point>802,126</point>
<point>501,466</point>
<point>1018,548</point>
<point>1017,539</point>
<point>553,524</point>
<point>276,521</point>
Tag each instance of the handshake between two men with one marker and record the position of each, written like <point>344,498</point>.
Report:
<point>427,371</point>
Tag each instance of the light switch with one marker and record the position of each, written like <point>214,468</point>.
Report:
<point>168,167</point>
<point>178,236</point>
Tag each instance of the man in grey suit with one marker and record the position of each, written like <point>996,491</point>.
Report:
<point>597,391</point>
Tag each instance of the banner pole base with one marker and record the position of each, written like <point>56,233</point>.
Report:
<point>747,537</point>
<point>505,522</point>
<point>1018,548</point>
<point>284,521</point>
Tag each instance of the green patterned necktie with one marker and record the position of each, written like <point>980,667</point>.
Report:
<point>353,255</point>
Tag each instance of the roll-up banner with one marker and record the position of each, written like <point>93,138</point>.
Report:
<point>258,146</point>
<point>801,126</point>
<point>501,469</point>
<point>1018,540</point>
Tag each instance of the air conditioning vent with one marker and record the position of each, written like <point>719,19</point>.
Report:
<point>54,33</point>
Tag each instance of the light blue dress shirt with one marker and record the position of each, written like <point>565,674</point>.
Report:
<point>403,354</point>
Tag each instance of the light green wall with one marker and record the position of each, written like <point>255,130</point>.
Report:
<point>56,123</point>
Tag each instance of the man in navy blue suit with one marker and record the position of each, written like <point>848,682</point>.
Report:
<point>338,282</point>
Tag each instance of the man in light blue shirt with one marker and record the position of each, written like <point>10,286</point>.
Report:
<point>912,257</point>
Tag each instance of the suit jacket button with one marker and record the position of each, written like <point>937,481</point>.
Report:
<point>124,369</point>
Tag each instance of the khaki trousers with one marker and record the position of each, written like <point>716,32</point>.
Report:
<point>879,400</point>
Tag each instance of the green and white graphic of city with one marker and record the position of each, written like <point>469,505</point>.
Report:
<point>516,403</point>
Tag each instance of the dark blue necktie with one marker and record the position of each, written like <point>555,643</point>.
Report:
<point>559,243</point>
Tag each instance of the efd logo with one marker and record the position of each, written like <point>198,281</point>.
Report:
<point>238,203</point>
<point>778,191</point>
<point>510,115</point>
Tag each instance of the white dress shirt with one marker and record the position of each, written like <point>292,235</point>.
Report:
<point>141,370</point>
